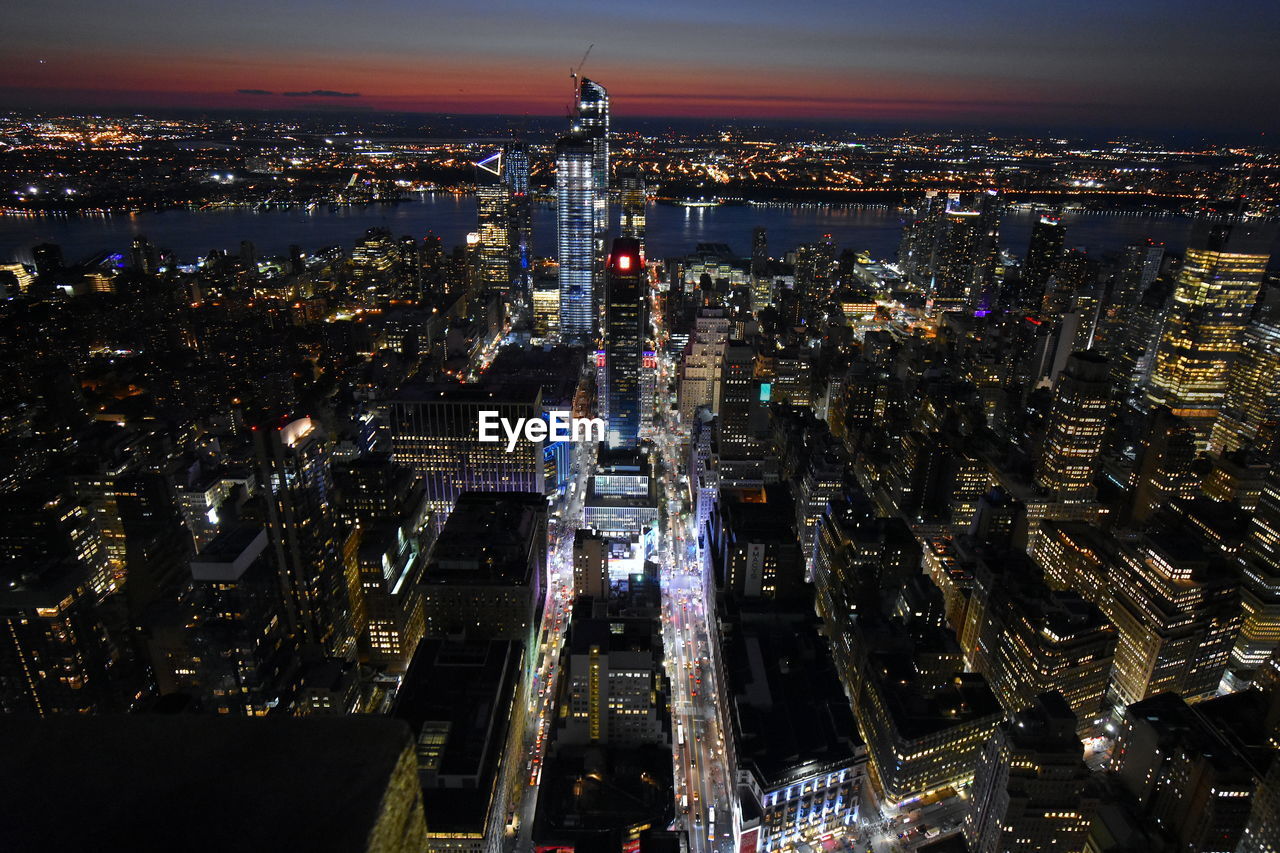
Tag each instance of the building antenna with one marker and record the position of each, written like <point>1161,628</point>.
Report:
<point>574,74</point>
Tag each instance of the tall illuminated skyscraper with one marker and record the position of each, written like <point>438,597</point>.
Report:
<point>1251,408</point>
<point>1203,334</point>
<point>959,262</point>
<point>515,171</point>
<point>593,122</point>
<point>624,336</point>
<point>1177,610</point>
<point>631,184</point>
<point>493,214</point>
<point>1260,591</point>
<point>575,235</point>
<point>1073,440</point>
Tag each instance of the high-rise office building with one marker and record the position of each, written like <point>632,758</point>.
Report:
<point>1260,590</point>
<point>1029,789</point>
<point>759,251</point>
<point>1031,639</point>
<point>1139,267</point>
<point>1204,331</point>
<point>633,199</point>
<point>1043,254</point>
<point>959,264</point>
<point>435,430</point>
<point>626,323</point>
<point>611,666</point>
<point>464,703</point>
<point>56,654</point>
<point>237,652</point>
<point>515,173</point>
<point>698,382</point>
<point>1177,610</point>
<point>1070,290</point>
<point>739,393</point>
<point>321,591</point>
<point>486,576</point>
<point>753,547</point>
<point>1072,447</point>
<point>590,565</point>
<point>1133,338</point>
<point>593,121</point>
<point>388,504</point>
<point>1251,408</point>
<point>1184,773</point>
<point>575,235</point>
<point>546,308</point>
<point>494,225</point>
<point>784,688</point>
<point>1164,465</point>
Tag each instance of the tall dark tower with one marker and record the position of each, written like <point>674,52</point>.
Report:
<point>306,539</point>
<point>624,336</point>
<point>759,251</point>
<point>1048,237</point>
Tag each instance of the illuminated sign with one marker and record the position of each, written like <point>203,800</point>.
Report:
<point>766,391</point>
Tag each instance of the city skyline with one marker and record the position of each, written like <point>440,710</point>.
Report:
<point>945,520</point>
<point>1137,65</point>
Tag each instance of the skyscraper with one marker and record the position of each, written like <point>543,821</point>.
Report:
<point>435,431</point>
<point>575,235</point>
<point>1215,293</point>
<point>493,214</point>
<point>1139,267</point>
<point>1251,409</point>
<point>1029,788</point>
<point>632,191</point>
<point>1163,471</point>
<point>1177,610</point>
<point>515,172</point>
<point>626,297</point>
<point>593,122</point>
<point>738,390</point>
<point>56,654</point>
<point>1073,440</point>
<point>1260,591</point>
<point>1184,772</point>
<point>1044,254</point>
<point>959,261</point>
<point>306,539</point>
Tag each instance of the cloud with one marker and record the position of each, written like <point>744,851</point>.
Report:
<point>254,92</point>
<point>321,93</point>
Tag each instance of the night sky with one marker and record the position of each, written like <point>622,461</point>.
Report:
<point>1136,64</point>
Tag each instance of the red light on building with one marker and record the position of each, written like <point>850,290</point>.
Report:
<point>624,262</point>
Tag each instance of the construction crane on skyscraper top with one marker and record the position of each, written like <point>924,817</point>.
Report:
<point>574,74</point>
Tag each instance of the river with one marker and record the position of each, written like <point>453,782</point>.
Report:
<point>672,230</point>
